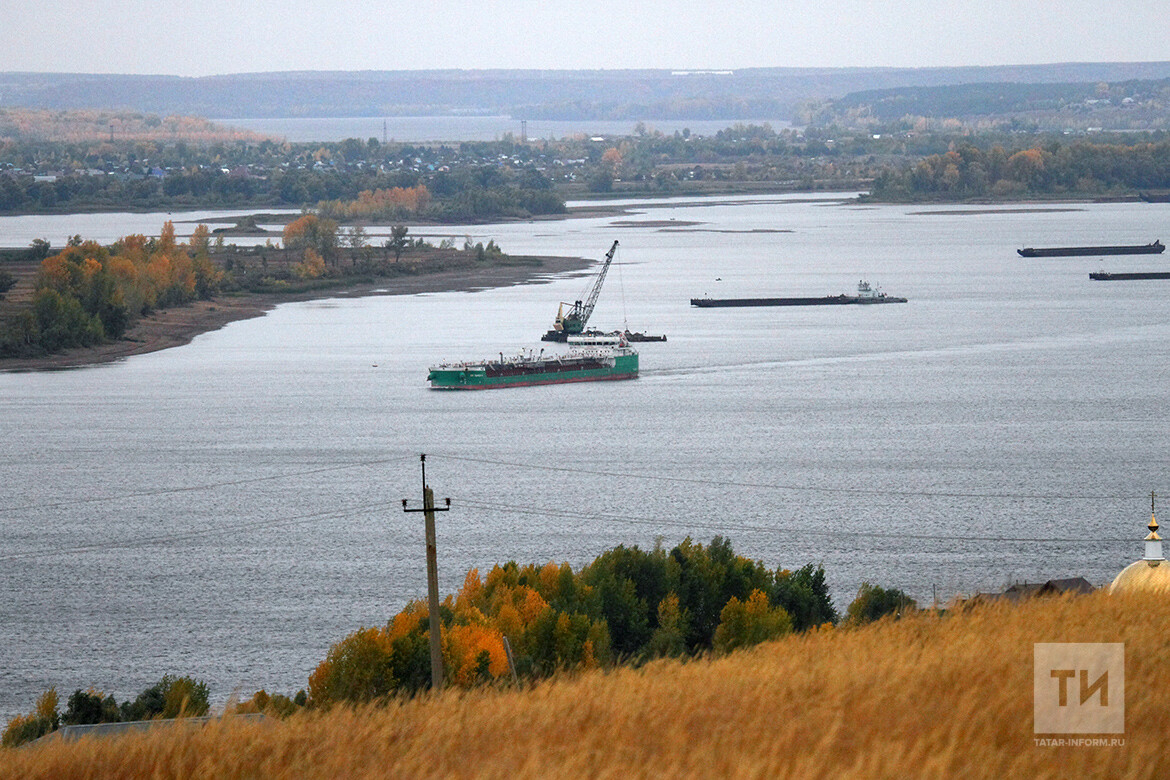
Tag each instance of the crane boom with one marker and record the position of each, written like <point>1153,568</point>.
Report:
<point>574,321</point>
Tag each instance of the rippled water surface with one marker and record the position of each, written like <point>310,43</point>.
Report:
<point>230,508</point>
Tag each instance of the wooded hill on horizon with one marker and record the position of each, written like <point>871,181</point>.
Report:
<point>762,93</point>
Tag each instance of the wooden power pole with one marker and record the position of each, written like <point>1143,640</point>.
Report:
<point>428,510</point>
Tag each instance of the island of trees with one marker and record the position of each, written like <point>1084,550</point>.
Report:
<point>89,294</point>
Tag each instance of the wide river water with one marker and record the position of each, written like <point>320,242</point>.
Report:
<point>231,508</point>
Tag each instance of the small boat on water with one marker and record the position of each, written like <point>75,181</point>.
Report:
<point>1153,248</point>
<point>638,336</point>
<point>600,338</point>
<point>1106,276</point>
<point>594,339</point>
<point>866,294</point>
<point>591,364</point>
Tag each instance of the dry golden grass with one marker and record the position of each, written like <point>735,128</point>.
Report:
<point>926,696</point>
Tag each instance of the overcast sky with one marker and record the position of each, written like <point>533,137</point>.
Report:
<point>204,37</point>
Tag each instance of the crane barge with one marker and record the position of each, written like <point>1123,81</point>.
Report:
<point>572,323</point>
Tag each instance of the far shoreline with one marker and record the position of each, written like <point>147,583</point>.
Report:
<point>178,326</point>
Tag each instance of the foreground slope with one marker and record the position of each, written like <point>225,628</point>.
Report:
<point>926,695</point>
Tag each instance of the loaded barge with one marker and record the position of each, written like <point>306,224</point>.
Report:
<point>1105,276</point>
<point>865,295</point>
<point>576,365</point>
<point>1153,248</point>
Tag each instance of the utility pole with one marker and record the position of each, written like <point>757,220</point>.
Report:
<point>428,510</point>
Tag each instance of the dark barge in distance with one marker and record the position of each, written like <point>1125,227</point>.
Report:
<point>1153,248</point>
<point>865,295</point>
<point>1105,276</point>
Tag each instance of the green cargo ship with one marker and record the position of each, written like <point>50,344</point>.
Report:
<point>580,365</point>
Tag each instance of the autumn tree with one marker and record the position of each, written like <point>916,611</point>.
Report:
<point>170,697</point>
<point>611,159</point>
<point>200,242</point>
<point>747,623</point>
<point>670,636</point>
<point>26,728</point>
<point>312,266</point>
<point>874,602</point>
<point>358,669</point>
<point>312,232</point>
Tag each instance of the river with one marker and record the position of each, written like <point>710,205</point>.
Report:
<point>231,508</point>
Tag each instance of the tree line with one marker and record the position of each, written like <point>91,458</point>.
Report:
<point>42,176</point>
<point>1050,169</point>
<point>628,606</point>
<point>355,180</point>
<point>170,697</point>
<point>87,293</point>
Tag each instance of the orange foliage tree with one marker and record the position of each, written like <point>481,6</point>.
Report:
<point>87,292</point>
<point>310,231</point>
<point>393,203</point>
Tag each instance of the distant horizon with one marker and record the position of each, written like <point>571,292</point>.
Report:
<point>539,95</point>
<point>680,72</point>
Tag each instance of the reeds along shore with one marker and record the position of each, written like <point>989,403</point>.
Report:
<point>925,696</point>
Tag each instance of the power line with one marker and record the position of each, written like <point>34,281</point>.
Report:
<point>196,488</point>
<point>869,491</point>
<point>146,541</point>
<point>355,511</point>
<point>801,488</point>
<point>656,522</point>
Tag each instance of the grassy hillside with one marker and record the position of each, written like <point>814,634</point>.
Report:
<point>926,696</point>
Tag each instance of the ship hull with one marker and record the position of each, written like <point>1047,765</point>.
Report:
<point>828,300</point>
<point>1105,276</point>
<point>494,376</point>
<point>1155,248</point>
<point>561,337</point>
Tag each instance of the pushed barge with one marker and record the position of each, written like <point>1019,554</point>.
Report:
<point>1106,276</point>
<point>577,365</point>
<point>1153,248</point>
<point>865,295</point>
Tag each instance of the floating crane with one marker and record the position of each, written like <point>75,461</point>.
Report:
<point>573,322</point>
